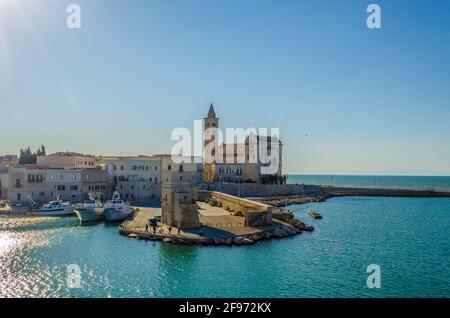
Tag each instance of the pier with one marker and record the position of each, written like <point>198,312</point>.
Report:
<point>219,225</point>
<point>323,193</point>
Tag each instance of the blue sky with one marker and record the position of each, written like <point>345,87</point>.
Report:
<point>369,101</point>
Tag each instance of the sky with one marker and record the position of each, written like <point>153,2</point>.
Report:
<point>347,99</point>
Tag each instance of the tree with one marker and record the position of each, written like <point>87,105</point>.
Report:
<point>28,157</point>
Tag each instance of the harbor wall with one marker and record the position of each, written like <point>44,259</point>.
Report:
<point>256,190</point>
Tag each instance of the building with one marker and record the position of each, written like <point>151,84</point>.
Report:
<point>135,177</point>
<point>181,168</point>
<point>238,162</point>
<point>8,161</point>
<point>4,182</point>
<point>67,160</point>
<point>178,205</point>
<point>70,176</point>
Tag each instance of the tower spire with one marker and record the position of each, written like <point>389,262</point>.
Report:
<point>211,112</point>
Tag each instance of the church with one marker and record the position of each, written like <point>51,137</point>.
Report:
<point>238,162</point>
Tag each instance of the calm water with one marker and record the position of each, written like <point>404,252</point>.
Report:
<point>408,238</point>
<point>391,182</point>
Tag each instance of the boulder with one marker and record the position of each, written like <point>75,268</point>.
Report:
<point>238,240</point>
<point>248,241</point>
<point>133,235</point>
<point>268,235</point>
<point>167,240</point>
<point>257,236</point>
<point>277,233</point>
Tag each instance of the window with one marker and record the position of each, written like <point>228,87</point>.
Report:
<point>74,177</point>
<point>121,168</point>
<point>181,168</point>
<point>115,167</point>
<point>134,167</point>
<point>150,179</point>
<point>132,187</point>
<point>18,184</point>
<point>169,167</point>
<point>73,188</point>
<point>52,177</point>
<point>61,177</point>
<point>156,180</point>
<point>61,188</point>
<point>156,168</point>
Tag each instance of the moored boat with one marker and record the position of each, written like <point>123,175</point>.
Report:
<point>315,214</point>
<point>54,208</point>
<point>5,207</point>
<point>117,209</point>
<point>90,210</point>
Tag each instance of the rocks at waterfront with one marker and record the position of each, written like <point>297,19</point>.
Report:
<point>288,227</point>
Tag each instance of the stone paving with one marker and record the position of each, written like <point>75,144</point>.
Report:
<point>216,223</point>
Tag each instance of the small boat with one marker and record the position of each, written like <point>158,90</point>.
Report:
<point>90,210</point>
<point>117,209</point>
<point>54,208</point>
<point>315,214</point>
<point>5,207</point>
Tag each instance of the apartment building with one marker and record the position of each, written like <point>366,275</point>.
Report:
<point>4,181</point>
<point>189,169</point>
<point>135,177</point>
<point>67,160</point>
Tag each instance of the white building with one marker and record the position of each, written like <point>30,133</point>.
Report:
<point>135,177</point>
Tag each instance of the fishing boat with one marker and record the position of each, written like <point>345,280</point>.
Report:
<point>54,208</point>
<point>90,210</point>
<point>315,214</point>
<point>117,209</point>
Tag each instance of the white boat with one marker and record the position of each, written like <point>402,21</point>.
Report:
<point>54,208</point>
<point>5,207</point>
<point>90,210</point>
<point>117,209</point>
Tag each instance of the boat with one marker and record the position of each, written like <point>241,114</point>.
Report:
<point>5,207</point>
<point>117,209</point>
<point>90,210</point>
<point>315,214</point>
<point>54,208</point>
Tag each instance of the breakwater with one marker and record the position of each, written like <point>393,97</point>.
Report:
<point>322,193</point>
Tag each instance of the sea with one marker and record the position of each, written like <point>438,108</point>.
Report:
<point>406,241</point>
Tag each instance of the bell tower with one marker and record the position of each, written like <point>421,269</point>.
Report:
<point>210,144</point>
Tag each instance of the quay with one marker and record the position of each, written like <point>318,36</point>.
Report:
<point>222,220</point>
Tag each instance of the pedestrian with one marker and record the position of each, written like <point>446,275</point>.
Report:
<point>170,230</point>
<point>154,230</point>
<point>146,227</point>
<point>179,231</point>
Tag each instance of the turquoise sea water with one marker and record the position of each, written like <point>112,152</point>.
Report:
<point>390,182</point>
<point>408,238</point>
